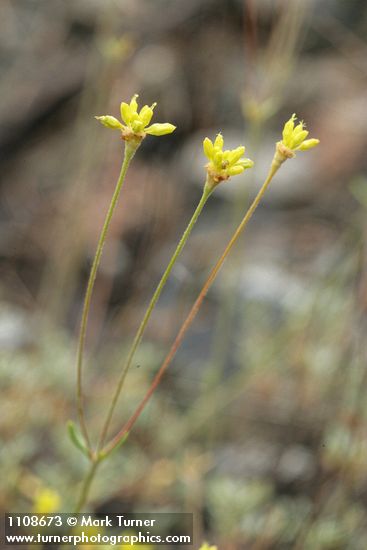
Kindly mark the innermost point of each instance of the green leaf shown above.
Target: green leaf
(76, 438)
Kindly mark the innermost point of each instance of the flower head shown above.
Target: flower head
(136, 122)
(294, 139)
(223, 164)
(206, 546)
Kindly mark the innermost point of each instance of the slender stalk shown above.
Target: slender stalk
(130, 149)
(96, 458)
(140, 332)
(86, 486)
(223, 332)
(195, 308)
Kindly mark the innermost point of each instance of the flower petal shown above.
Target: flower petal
(160, 129)
(288, 129)
(125, 112)
(146, 114)
(298, 138)
(134, 103)
(208, 148)
(218, 157)
(137, 126)
(235, 155)
(219, 141)
(299, 128)
(110, 122)
(235, 170)
(246, 163)
(308, 144)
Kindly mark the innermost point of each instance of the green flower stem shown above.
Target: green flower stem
(140, 332)
(130, 150)
(195, 308)
(97, 457)
(84, 493)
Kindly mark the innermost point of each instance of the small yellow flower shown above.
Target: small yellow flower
(46, 501)
(294, 139)
(223, 164)
(206, 546)
(136, 123)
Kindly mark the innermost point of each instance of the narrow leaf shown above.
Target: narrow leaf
(76, 439)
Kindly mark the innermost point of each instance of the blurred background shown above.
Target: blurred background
(259, 427)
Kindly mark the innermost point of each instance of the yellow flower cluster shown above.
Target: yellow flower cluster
(224, 164)
(136, 123)
(294, 139)
(206, 546)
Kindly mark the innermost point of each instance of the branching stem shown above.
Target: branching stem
(194, 310)
(140, 332)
